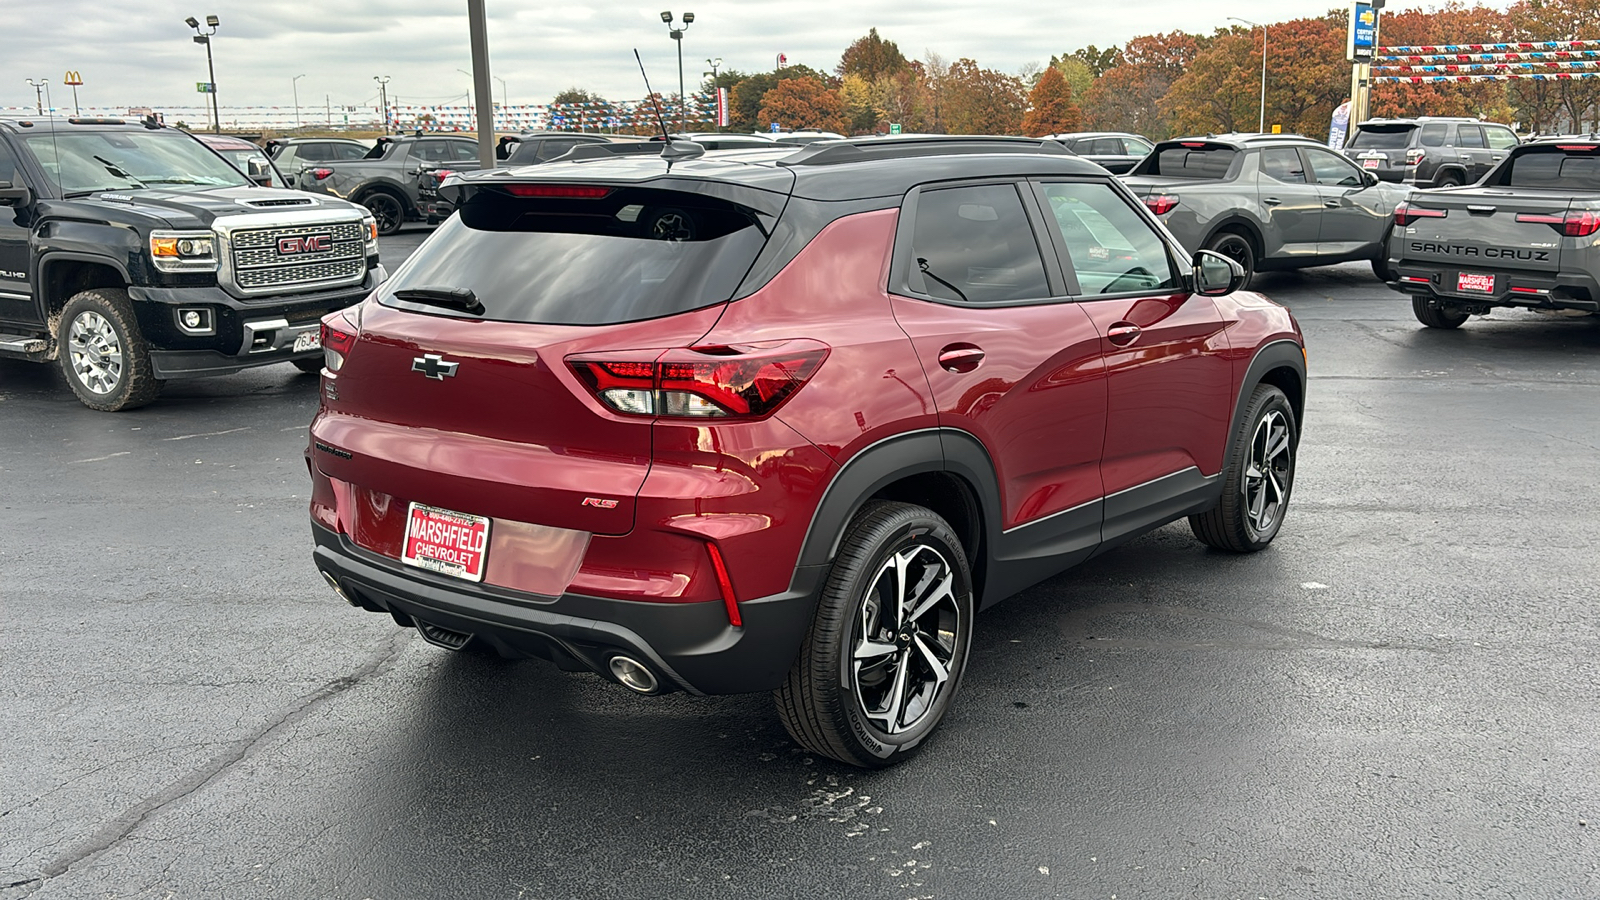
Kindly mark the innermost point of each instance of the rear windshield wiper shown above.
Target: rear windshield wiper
(454, 298)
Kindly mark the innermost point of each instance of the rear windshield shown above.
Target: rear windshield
(1194, 162)
(1553, 170)
(1386, 138)
(634, 254)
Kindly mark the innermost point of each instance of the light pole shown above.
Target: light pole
(677, 37)
(383, 95)
(471, 112)
(294, 85)
(38, 93)
(1261, 126)
(716, 92)
(204, 37)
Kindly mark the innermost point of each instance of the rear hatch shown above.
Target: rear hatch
(457, 390)
(1541, 204)
(1380, 147)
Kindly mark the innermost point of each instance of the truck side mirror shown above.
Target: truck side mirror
(1216, 275)
(17, 196)
(259, 171)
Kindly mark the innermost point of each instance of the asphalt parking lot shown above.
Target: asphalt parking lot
(1398, 698)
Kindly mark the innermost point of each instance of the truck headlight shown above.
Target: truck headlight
(369, 227)
(183, 251)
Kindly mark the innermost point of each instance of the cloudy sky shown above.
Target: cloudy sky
(139, 52)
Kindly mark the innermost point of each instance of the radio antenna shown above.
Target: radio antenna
(682, 149)
(652, 95)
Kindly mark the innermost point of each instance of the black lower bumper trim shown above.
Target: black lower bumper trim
(690, 645)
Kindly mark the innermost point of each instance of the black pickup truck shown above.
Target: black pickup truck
(133, 254)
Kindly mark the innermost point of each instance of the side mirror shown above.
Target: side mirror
(1216, 275)
(259, 171)
(1370, 178)
(17, 196)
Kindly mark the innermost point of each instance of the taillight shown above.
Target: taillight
(745, 382)
(442, 174)
(564, 191)
(1405, 213)
(1161, 204)
(1580, 223)
(320, 174)
(338, 336)
(1415, 156)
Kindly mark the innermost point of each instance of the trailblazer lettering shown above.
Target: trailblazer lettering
(1483, 253)
(310, 243)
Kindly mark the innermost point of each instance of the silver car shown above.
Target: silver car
(1268, 201)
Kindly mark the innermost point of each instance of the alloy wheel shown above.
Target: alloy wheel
(1267, 473)
(904, 640)
(96, 352)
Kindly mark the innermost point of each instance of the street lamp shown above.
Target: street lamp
(38, 95)
(715, 64)
(503, 105)
(294, 84)
(677, 36)
(383, 94)
(204, 37)
(471, 113)
(1261, 126)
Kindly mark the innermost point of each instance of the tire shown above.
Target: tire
(825, 701)
(388, 209)
(311, 365)
(1380, 264)
(1435, 314)
(1260, 479)
(1237, 247)
(1448, 179)
(103, 354)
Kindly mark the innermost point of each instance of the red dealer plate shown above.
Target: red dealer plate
(1370, 163)
(1471, 281)
(447, 542)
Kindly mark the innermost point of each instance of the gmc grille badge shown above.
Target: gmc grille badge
(432, 365)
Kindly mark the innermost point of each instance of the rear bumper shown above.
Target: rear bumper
(1538, 290)
(689, 645)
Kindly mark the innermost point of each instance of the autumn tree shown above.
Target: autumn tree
(1050, 106)
(1454, 24)
(981, 101)
(856, 96)
(804, 103)
(1078, 74)
(1127, 97)
(871, 57)
(1099, 61)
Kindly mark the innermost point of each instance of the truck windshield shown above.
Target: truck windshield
(83, 162)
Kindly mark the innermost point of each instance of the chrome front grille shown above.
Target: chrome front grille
(261, 260)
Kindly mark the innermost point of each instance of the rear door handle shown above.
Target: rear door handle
(1271, 201)
(960, 358)
(1122, 334)
(1331, 204)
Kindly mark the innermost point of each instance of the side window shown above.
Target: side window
(1137, 147)
(1469, 136)
(8, 166)
(462, 151)
(1105, 147)
(347, 151)
(1113, 250)
(1283, 164)
(1500, 138)
(974, 245)
(1332, 169)
(434, 151)
(1433, 134)
(553, 148)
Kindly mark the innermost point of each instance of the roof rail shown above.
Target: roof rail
(828, 153)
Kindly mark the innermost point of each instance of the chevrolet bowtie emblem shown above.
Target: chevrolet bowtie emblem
(432, 365)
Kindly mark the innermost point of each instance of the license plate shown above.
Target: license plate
(445, 541)
(1371, 163)
(307, 340)
(1470, 281)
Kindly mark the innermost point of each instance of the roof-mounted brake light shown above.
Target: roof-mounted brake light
(566, 191)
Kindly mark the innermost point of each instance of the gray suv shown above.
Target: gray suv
(1430, 151)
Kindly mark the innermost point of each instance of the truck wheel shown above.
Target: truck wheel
(1380, 263)
(1255, 494)
(1435, 314)
(105, 357)
(885, 653)
(1238, 248)
(311, 365)
(1448, 179)
(387, 209)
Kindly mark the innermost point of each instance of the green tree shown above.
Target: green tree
(1099, 61)
(860, 108)
(1079, 76)
(871, 57)
(1050, 106)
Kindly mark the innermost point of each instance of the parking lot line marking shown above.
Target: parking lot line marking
(102, 458)
(185, 437)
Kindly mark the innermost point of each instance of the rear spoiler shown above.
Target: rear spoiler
(608, 150)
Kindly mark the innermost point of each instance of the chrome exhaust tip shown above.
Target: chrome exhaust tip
(634, 675)
(334, 583)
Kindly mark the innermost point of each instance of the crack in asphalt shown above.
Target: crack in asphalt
(125, 824)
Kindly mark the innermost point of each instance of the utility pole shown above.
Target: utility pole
(478, 28)
(1261, 126)
(383, 94)
(328, 108)
(294, 84)
(38, 93)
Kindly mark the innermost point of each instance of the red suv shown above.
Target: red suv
(787, 419)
